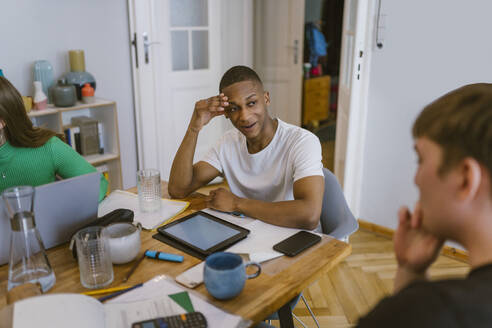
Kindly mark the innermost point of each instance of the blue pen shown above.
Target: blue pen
(107, 297)
(164, 256)
(241, 215)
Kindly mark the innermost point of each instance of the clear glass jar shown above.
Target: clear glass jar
(28, 262)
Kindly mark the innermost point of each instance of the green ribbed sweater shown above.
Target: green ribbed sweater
(37, 166)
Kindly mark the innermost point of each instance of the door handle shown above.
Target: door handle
(146, 44)
(134, 44)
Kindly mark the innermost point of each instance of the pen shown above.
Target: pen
(164, 256)
(235, 213)
(105, 291)
(107, 297)
(239, 214)
(135, 265)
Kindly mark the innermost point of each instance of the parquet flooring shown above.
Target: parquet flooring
(352, 288)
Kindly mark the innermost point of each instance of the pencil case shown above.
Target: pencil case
(120, 215)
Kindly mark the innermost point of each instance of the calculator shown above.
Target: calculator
(188, 320)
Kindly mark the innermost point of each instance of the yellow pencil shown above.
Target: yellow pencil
(105, 291)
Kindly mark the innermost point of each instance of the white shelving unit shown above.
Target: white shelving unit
(104, 111)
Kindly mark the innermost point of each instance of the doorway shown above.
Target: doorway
(340, 76)
(322, 50)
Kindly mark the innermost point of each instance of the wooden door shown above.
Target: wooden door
(279, 29)
(179, 63)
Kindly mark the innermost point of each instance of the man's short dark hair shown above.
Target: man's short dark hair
(461, 123)
(238, 74)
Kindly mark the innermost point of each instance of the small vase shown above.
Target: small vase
(43, 71)
(77, 75)
(88, 94)
(40, 99)
(64, 95)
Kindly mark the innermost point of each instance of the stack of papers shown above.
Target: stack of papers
(154, 289)
(151, 220)
(159, 297)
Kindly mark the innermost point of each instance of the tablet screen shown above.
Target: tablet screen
(201, 232)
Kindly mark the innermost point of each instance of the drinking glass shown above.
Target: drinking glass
(149, 190)
(96, 269)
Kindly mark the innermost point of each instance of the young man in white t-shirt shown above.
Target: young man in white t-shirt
(273, 169)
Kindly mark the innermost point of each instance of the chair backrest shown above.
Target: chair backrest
(336, 218)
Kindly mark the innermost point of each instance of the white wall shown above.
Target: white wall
(430, 48)
(33, 29)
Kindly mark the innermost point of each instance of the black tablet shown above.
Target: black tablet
(203, 233)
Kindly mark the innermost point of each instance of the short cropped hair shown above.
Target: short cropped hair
(461, 123)
(238, 74)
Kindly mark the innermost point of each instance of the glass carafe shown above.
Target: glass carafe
(28, 262)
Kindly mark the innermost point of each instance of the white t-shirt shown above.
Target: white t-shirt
(269, 175)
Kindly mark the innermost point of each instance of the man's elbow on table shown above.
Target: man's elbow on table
(175, 191)
(310, 218)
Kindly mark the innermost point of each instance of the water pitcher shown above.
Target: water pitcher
(28, 262)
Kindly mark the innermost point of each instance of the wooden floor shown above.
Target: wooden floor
(358, 283)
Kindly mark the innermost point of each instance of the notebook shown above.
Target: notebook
(158, 297)
(150, 221)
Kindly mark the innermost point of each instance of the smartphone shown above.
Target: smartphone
(297, 243)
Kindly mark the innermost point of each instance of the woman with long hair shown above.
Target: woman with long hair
(30, 155)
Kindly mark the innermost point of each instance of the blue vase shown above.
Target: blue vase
(43, 71)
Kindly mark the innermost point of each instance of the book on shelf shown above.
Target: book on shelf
(100, 127)
(72, 136)
(68, 140)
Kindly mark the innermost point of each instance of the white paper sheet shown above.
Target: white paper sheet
(155, 287)
(259, 243)
(58, 311)
(240, 221)
(123, 315)
(123, 199)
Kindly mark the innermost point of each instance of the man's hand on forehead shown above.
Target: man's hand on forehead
(206, 109)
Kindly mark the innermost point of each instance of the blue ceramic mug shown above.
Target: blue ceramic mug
(225, 274)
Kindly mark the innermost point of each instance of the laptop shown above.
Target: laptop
(60, 209)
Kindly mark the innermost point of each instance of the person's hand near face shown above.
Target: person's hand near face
(206, 109)
(415, 248)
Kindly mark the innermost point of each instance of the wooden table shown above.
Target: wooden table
(280, 281)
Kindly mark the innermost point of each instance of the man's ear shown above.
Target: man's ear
(471, 177)
(266, 94)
